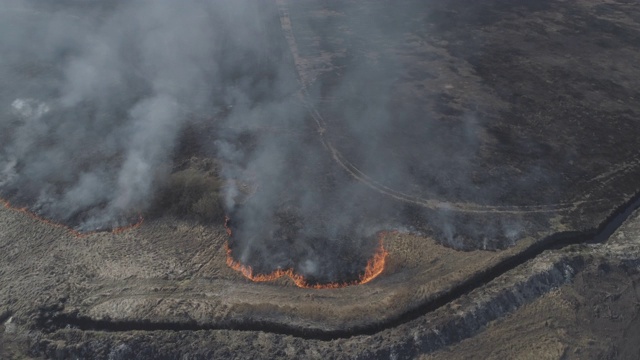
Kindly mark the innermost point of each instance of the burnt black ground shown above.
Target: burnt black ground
(541, 126)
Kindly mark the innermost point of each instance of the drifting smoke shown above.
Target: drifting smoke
(97, 93)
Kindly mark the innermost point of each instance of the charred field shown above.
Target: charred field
(388, 179)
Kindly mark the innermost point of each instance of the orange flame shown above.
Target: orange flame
(374, 267)
(226, 225)
(74, 232)
(122, 229)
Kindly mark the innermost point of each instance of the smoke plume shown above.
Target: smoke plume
(95, 95)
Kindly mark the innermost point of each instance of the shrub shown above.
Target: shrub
(191, 193)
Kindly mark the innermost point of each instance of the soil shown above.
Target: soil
(549, 89)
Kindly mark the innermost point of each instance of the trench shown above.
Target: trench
(53, 319)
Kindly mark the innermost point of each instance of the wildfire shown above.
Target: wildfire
(74, 232)
(374, 267)
(122, 229)
(226, 225)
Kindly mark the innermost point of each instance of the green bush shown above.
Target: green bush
(191, 193)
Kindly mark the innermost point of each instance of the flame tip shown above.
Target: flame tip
(375, 266)
(72, 231)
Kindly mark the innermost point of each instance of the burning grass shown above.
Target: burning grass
(375, 266)
(74, 232)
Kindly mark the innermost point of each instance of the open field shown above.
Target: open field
(496, 140)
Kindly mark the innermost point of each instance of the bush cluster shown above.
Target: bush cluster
(191, 193)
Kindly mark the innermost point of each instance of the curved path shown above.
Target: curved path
(435, 204)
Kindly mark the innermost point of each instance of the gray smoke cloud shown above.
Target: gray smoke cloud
(97, 93)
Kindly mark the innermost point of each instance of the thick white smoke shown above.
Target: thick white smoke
(96, 95)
